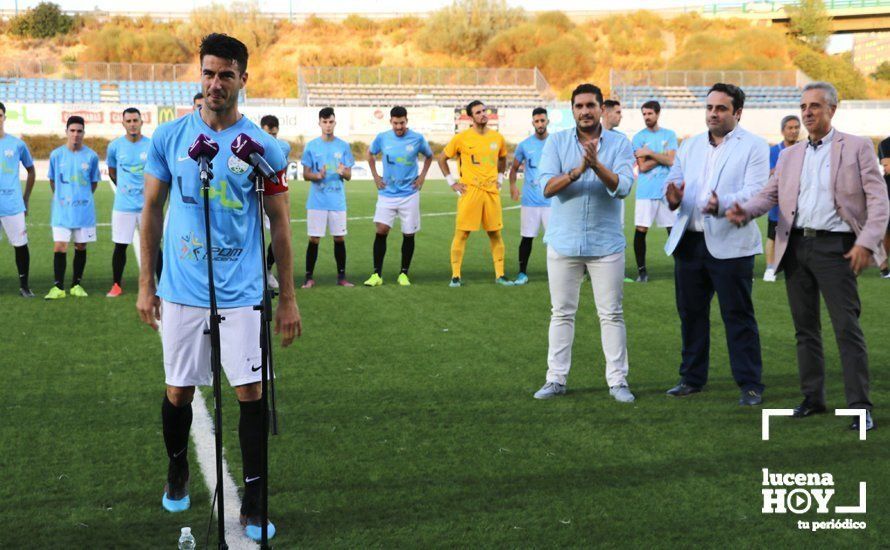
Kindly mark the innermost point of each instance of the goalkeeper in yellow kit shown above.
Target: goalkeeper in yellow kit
(482, 159)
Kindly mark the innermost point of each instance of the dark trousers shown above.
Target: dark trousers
(697, 275)
(815, 265)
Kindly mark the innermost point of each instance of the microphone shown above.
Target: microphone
(251, 151)
(202, 151)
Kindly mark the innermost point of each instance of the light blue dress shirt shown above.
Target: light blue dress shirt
(585, 217)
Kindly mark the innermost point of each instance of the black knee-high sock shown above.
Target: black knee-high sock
(159, 266)
(525, 252)
(340, 257)
(118, 262)
(379, 252)
(23, 263)
(177, 421)
(60, 262)
(407, 252)
(80, 262)
(311, 257)
(640, 249)
(250, 434)
(270, 258)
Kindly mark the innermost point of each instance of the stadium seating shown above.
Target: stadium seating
(780, 97)
(42, 90)
(373, 95)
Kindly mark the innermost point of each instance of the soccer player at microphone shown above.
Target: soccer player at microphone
(181, 299)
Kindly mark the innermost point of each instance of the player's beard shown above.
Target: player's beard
(228, 103)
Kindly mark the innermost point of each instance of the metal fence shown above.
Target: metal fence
(100, 71)
(624, 79)
(398, 76)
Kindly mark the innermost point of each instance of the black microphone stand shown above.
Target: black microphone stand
(215, 357)
(268, 372)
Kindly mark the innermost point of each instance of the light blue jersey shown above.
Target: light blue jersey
(650, 185)
(12, 152)
(285, 147)
(327, 194)
(399, 161)
(529, 152)
(128, 159)
(233, 214)
(74, 173)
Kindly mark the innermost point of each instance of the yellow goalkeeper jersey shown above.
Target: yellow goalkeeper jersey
(478, 156)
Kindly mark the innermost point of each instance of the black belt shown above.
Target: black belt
(808, 232)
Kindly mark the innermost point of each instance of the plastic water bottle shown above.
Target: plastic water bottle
(186, 540)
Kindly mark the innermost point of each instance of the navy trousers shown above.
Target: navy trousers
(697, 276)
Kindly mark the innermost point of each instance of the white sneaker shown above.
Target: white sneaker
(769, 275)
(273, 282)
(550, 389)
(622, 394)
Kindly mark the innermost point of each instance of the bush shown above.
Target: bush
(882, 72)
(837, 69)
(114, 43)
(359, 24)
(44, 21)
(464, 27)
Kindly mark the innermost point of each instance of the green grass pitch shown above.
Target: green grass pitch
(407, 417)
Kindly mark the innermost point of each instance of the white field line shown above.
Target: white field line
(205, 450)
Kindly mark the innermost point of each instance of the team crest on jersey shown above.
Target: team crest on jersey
(8, 153)
(237, 166)
(492, 146)
(338, 156)
(409, 148)
(84, 166)
(143, 156)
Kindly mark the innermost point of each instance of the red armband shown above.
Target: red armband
(276, 186)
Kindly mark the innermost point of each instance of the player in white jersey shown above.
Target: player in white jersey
(13, 202)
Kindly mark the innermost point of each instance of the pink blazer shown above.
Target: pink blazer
(860, 193)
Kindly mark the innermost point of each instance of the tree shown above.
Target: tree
(810, 23)
(44, 21)
(882, 72)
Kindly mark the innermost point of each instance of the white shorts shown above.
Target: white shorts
(80, 234)
(647, 211)
(124, 225)
(406, 208)
(332, 220)
(15, 229)
(532, 218)
(187, 348)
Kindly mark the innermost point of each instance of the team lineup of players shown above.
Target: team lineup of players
(327, 163)
(591, 162)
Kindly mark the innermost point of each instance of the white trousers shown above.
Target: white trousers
(565, 274)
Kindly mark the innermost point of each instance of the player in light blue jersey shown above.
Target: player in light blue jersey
(73, 176)
(327, 164)
(181, 300)
(126, 159)
(269, 124)
(535, 209)
(654, 149)
(612, 115)
(398, 189)
(13, 202)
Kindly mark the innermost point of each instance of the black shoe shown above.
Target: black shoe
(869, 423)
(643, 277)
(808, 408)
(682, 390)
(26, 293)
(751, 398)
